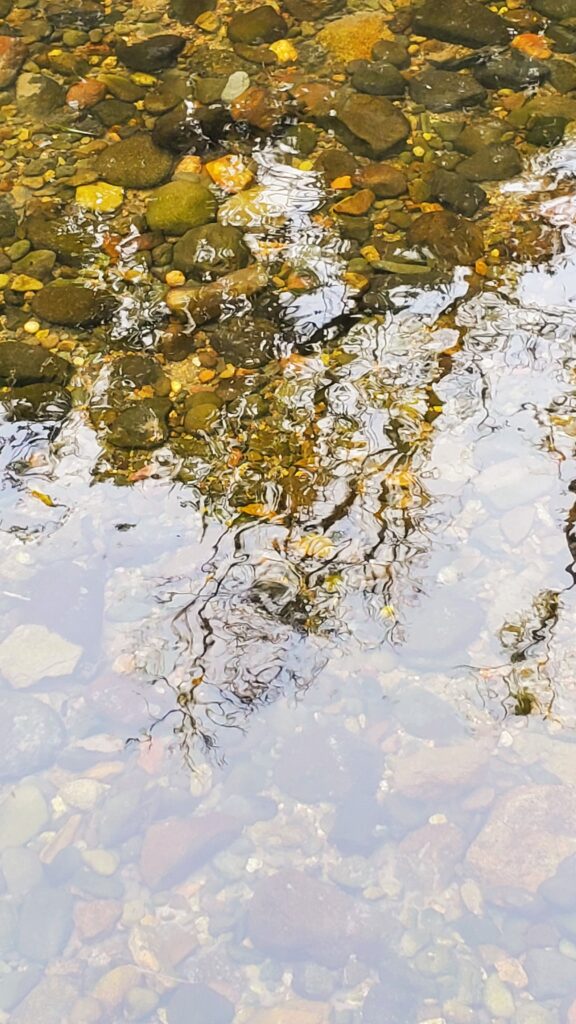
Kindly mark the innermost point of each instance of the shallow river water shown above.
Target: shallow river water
(288, 514)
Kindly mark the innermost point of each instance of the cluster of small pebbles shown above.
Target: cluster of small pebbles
(146, 271)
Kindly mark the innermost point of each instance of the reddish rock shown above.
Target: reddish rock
(385, 180)
(429, 855)
(86, 93)
(429, 772)
(12, 54)
(259, 108)
(530, 831)
(96, 917)
(294, 915)
(173, 849)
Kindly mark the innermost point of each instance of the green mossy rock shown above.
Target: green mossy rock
(213, 249)
(135, 162)
(21, 363)
(72, 244)
(72, 305)
(379, 80)
(179, 206)
(141, 425)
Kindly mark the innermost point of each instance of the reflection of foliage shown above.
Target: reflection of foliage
(522, 685)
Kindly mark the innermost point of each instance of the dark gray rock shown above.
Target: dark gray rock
(462, 21)
(152, 54)
(511, 70)
(180, 131)
(31, 735)
(198, 1004)
(496, 162)
(379, 80)
(45, 923)
(83, 14)
(446, 90)
(456, 192)
(295, 916)
(550, 974)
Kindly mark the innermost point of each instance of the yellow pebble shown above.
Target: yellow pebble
(495, 254)
(141, 78)
(419, 151)
(175, 386)
(174, 278)
(284, 51)
(78, 361)
(427, 136)
(110, 62)
(4, 279)
(100, 197)
(305, 165)
(413, 49)
(24, 283)
(31, 327)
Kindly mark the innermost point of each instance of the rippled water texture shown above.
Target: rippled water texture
(288, 539)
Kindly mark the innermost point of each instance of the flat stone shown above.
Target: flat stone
(173, 849)
(461, 21)
(72, 305)
(446, 90)
(198, 1004)
(260, 25)
(373, 119)
(50, 1002)
(45, 923)
(295, 916)
(497, 162)
(353, 36)
(23, 814)
(152, 54)
(530, 831)
(429, 772)
(32, 653)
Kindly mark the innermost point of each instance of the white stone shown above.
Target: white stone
(32, 653)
